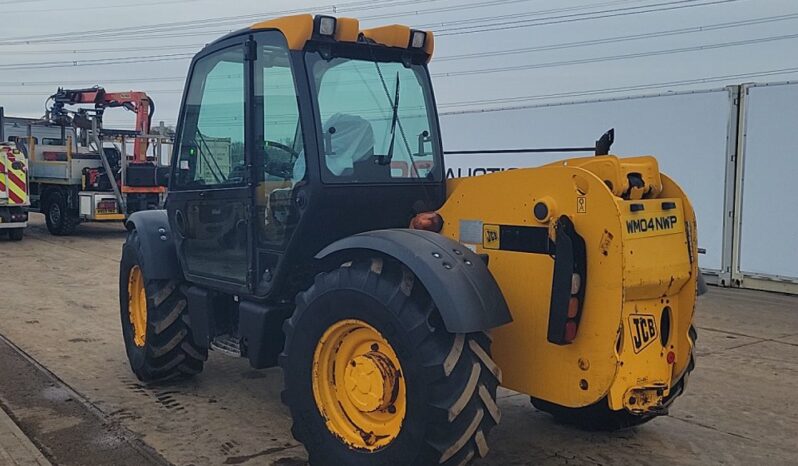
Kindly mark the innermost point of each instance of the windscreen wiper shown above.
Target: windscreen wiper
(386, 159)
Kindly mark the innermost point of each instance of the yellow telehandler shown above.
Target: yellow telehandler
(309, 224)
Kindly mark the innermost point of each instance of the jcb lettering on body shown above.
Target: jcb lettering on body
(643, 329)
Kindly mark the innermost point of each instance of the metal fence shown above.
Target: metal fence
(732, 149)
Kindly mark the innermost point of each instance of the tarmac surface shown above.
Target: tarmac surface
(65, 382)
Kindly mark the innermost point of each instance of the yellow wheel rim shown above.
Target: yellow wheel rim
(137, 305)
(358, 385)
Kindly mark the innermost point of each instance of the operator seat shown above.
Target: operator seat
(351, 141)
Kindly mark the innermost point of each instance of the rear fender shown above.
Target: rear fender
(464, 291)
(159, 255)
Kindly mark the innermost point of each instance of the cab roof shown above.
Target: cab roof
(298, 30)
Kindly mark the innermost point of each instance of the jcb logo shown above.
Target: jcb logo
(643, 329)
(490, 237)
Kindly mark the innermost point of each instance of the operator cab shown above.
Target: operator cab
(295, 119)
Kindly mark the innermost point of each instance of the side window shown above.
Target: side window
(283, 154)
(211, 144)
(284, 149)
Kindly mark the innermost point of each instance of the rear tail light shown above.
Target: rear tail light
(568, 283)
(573, 307)
(572, 324)
(570, 330)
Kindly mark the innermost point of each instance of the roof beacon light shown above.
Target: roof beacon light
(417, 39)
(325, 25)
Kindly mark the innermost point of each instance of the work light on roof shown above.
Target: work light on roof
(417, 39)
(325, 25)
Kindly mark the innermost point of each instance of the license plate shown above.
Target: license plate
(643, 329)
(653, 219)
(105, 211)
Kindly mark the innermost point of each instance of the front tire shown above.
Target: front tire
(155, 324)
(438, 399)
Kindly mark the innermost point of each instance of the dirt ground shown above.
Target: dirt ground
(59, 305)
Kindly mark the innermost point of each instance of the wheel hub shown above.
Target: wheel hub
(358, 385)
(371, 381)
(55, 213)
(137, 305)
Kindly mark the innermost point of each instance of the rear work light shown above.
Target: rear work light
(325, 25)
(568, 283)
(417, 39)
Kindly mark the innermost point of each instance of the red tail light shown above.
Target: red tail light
(573, 307)
(568, 283)
(572, 325)
(570, 330)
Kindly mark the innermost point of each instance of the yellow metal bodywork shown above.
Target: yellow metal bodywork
(358, 385)
(137, 305)
(630, 274)
(298, 30)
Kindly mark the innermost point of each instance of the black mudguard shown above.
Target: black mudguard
(159, 258)
(459, 282)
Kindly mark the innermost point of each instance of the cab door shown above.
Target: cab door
(210, 195)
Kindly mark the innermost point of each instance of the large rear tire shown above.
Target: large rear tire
(155, 323)
(60, 222)
(599, 416)
(435, 396)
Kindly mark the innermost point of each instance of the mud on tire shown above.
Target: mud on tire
(451, 379)
(169, 350)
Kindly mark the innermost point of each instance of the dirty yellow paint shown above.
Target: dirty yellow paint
(627, 273)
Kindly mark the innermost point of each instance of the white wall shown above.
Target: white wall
(769, 237)
(686, 132)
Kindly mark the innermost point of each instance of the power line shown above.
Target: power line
(626, 56)
(167, 30)
(666, 6)
(193, 24)
(626, 38)
(167, 57)
(565, 45)
(620, 89)
(116, 35)
(468, 72)
(96, 7)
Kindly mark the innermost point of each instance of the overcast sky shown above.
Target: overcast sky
(732, 46)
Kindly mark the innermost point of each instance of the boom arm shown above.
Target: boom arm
(135, 101)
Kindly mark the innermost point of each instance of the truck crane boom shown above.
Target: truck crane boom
(135, 101)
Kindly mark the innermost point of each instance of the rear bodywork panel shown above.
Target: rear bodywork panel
(639, 233)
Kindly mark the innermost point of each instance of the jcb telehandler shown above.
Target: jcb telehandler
(306, 147)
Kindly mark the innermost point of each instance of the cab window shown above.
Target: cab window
(377, 120)
(211, 143)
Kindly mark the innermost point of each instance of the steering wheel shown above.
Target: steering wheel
(281, 169)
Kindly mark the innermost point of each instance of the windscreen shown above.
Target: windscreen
(377, 120)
